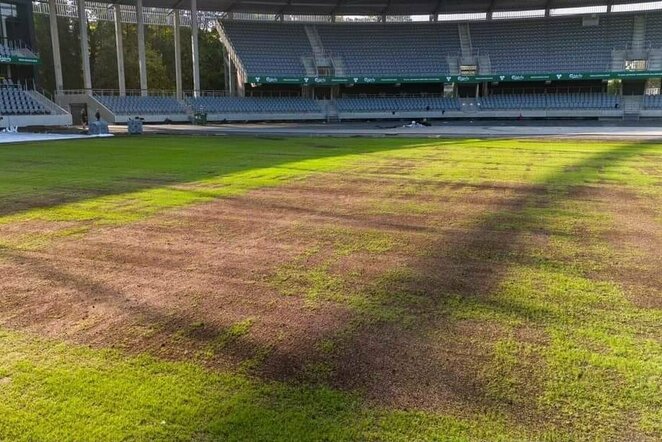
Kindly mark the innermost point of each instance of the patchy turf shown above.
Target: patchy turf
(222, 288)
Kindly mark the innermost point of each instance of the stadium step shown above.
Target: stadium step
(639, 34)
(309, 66)
(465, 40)
(315, 43)
(331, 112)
(631, 107)
(453, 65)
(52, 107)
(484, 65)
(618, 60)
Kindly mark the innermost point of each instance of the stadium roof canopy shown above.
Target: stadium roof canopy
(372, 7)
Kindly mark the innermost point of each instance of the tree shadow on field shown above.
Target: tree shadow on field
(433, 360)
(83, 284)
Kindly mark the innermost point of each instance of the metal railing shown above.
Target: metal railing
(547, 91)
(400, 95)
(116, 92)
(104, 12)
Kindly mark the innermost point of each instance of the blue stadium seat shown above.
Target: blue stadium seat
(15, 101)
(397, 104)
(549, 101)
(254, 105)
(137, 105)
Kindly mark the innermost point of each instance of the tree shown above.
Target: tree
(159, 53)
(69, 51)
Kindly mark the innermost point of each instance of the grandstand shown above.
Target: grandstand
(285, 61)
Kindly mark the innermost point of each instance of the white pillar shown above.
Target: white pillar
(119, 47)
(84, 46)
(195, 55)
(178, 55)
(142, 62)
(228, 74)
(55, 42)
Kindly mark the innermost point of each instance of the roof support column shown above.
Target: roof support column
(119, 48)
(142, 62)
(178, 55)
(55, 43)
(229, 86)
(84, 47)
(195, 54)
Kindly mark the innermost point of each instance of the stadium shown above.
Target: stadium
(330, 220)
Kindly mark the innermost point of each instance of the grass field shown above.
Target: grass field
(183, 288)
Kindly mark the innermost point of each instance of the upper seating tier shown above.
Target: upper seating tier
(549, 45)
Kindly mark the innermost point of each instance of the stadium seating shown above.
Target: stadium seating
(4, 51)
(395, 49)
(652, 102)
(16, 101)
(397, 104)
(137, 106)
(551, 45)
(254, 105)
(269, 48)
(549, 101)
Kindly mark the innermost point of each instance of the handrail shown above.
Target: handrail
(403, 95)
(116, 92)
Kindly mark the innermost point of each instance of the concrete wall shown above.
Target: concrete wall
(35, 120)
(265, 117)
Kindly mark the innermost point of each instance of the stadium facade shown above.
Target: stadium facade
(343, 59)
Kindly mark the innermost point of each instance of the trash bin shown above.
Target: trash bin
(99, 127)
(135, 126)
(200, 119)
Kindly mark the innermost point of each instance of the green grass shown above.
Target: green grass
(60, 392)
(573, 350)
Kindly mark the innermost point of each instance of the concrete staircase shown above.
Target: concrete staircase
(484, 65)
(315, 43)
(52, 107)
(338, 66)
(320, 57)
(618, 60)
(465, 40)
(639, 34)
(331, 110)
(631, 107)
(469, 105)
(453, 65)
(309, 66)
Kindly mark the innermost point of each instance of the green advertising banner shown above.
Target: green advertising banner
(326, 81)
(14, 59)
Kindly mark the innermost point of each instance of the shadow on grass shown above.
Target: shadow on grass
(382, 359)
(432, 361)
(45, 175)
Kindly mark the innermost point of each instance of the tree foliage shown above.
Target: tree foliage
(159, 51)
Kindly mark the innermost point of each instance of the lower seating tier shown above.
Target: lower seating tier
(272, 105)
(16, 101)
(138, 106)
(550, 101)
(397, 104)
